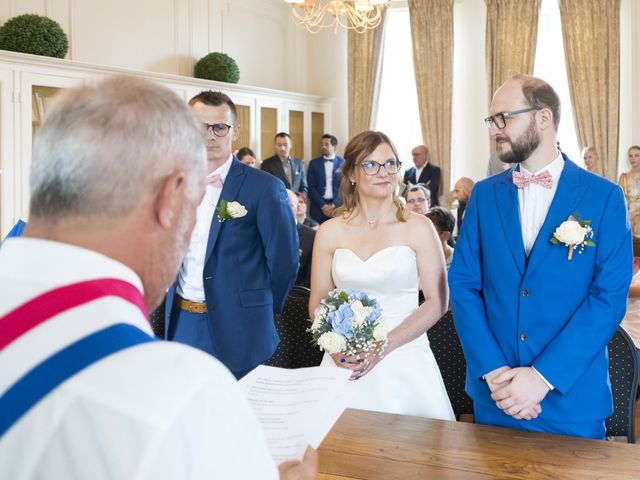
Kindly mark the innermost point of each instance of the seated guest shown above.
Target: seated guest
(461, 193)
(418, 199)
(591, 159)
(301, 214)
(323, 178)
(105, 230)
(444, 222)
(306, 236)
(246, 156)
(285, 167)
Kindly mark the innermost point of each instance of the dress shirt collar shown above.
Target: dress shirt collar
(223, 169)
(328, 157)
(554, 168)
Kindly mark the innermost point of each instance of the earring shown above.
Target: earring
(352, 183)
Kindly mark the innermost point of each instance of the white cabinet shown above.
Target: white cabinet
(28, 83)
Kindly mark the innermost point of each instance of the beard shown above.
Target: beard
(522, 147)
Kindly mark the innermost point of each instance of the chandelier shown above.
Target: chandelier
(358, 15)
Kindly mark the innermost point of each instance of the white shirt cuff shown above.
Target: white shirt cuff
(543, 379)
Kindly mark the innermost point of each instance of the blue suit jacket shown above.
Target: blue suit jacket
(543, 310)
(317, 182)
(250, 265)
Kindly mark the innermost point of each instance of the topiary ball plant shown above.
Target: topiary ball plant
(34, 34)
(217, 66)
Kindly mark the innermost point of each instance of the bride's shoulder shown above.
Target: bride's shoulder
(417, 221)
(331, 228)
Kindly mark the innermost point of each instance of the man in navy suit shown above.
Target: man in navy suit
(536, 291)
(243, 254)
(424, 172)
(324, 179)
(285, 167)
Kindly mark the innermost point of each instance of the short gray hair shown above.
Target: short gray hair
(102, 147)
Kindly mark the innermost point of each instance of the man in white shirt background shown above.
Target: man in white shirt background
(85, 391)
(323, 178)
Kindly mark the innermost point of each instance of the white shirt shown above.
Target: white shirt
(328, 173)
(190, 284)
(418, 173)
(155, 411)
(631, 322)
(534, 201)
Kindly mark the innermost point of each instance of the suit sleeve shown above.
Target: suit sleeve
(277, 229)
(303, 179)
(593, 324)
(481, 350)
(314, 188)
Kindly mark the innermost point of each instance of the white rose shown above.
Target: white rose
(380, 332)
(332, 342)
(236, 210)
(360, 313)
(570, 233)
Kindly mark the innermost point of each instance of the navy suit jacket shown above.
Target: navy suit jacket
(430, 176)
(543, 310)
(317, 181)
(273, 165)
(250, 265)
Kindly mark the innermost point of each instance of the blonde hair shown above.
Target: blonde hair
(356, 151)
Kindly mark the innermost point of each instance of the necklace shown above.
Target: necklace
(372, 221)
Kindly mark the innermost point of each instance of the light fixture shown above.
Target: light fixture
(358, 15)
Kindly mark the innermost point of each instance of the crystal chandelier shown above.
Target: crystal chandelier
(358, 15)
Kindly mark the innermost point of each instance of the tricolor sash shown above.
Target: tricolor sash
(45, 377)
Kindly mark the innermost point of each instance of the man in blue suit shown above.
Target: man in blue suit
(323, 178)
(242, 257)
(534, 315)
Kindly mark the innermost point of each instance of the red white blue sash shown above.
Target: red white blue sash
(46, 376)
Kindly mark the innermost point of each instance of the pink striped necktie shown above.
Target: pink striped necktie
(215, 180)
(543, 179)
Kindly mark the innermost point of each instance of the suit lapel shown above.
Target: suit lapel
(506, 195)
(229, 192)
(563, 205)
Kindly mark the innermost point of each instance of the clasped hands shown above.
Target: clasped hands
(517, 391)
(360, 363)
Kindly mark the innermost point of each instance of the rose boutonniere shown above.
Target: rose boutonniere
(574, 234)
(230, 210)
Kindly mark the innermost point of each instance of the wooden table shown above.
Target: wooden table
(371, 445)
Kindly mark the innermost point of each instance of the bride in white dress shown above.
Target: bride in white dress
(376, 245)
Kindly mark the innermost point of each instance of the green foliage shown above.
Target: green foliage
(217, 66)
(34, 34)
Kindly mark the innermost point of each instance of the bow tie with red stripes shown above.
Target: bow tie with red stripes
(543, 179)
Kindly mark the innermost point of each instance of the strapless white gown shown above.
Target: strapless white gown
(407, 381)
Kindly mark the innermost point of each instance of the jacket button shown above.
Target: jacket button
(525, 293)
(523, 336)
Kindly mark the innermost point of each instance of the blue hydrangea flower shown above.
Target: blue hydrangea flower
(341, 320)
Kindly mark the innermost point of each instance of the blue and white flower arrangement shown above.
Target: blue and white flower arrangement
(349, 321)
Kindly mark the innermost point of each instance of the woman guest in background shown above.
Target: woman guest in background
(630, 183)
(375, 245)
(418, 199)
(301, 213)
(246, 156)
(591, 159)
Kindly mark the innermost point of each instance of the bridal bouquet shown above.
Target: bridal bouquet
(349, 321)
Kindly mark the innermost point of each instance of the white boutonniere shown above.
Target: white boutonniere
(230, 210)
(574, 234)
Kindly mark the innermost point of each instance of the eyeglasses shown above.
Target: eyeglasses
(411, 201)
(500, 119)
(371, 167)
(219, 129)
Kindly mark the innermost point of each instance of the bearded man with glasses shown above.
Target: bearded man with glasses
(243, 254)
(540, 276)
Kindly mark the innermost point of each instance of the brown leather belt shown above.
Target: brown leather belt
(189, 306)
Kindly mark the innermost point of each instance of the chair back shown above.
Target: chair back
(295, 349)
(447, 350)
(623, 373)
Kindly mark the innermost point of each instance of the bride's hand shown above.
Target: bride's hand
(360, 363)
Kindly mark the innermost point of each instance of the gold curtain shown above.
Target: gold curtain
(365, 54)
(511, 34)
(432, 38)
(591, 33)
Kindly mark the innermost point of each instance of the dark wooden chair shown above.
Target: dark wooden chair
(447, 350)
(623, 372)
(295, 349)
